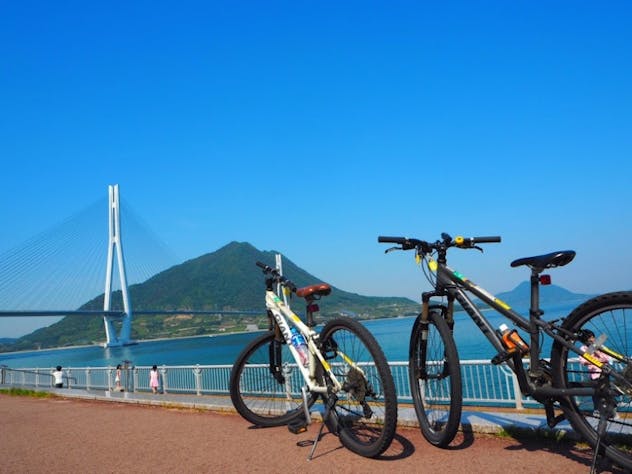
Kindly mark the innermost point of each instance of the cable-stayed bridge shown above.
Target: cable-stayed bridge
(63, 268)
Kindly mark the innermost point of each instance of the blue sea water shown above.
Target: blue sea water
(392, 334)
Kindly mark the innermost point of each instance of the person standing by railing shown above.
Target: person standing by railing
(117, 378)
(58, 377)
(154, 379)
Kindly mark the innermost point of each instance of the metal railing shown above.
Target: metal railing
(483, 383)
(30, 377)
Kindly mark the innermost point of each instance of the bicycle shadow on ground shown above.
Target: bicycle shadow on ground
(571, 449)
(463, 439)
(400, 448)
(534, 435)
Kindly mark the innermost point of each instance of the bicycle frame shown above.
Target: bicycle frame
(281, 314)
(454, 285)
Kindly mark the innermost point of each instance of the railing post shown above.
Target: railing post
(198, 379)
(135, 378)
(68, 374)
(517, 392)
(163, 376)
(88, 372)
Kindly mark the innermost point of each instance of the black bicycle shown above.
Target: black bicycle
(587, 381)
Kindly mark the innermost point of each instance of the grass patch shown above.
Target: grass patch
(517, 432)
(22, 392)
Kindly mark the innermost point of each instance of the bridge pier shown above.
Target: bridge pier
(115, 246)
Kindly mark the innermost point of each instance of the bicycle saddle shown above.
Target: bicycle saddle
(550, 260)
(319, 289)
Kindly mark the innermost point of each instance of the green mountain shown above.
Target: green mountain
(225, 280)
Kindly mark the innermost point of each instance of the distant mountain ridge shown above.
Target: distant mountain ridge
(550, 295)
(224, 280)
(228, 280)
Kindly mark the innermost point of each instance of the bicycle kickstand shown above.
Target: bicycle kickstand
(606, 409)
(601, 428)
(331, 401)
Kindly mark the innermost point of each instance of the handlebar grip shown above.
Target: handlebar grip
(391, 240)
(490, 239)
(261, 265)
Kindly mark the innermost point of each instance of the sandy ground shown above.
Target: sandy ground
(56, 435)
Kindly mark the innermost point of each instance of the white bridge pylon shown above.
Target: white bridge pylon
(115, 246)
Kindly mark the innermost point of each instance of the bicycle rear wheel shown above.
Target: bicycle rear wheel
(265, 383)
(435, 379)
(364, 414)
(608, 315)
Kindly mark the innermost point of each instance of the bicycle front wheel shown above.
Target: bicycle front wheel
(435, 379)
(265, 383)
(607, 316)
(364, 414)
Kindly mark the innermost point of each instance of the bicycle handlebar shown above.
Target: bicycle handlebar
(265, 267)
(462, 241)
(445, 242)
(276, 277)
(392, 240)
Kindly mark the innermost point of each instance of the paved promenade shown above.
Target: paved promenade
(80, 431)
(476, 421)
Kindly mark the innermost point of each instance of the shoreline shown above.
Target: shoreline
(158, 339)
(136, 342)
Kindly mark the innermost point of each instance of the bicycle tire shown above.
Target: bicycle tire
(611, 315)
(364, 415)
(434, 372)
(259, 396)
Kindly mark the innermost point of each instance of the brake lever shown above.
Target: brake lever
(477, 248)
(393, 248)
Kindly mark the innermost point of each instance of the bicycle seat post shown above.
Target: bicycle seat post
(534, 309)
(534, 313)
(310, 308)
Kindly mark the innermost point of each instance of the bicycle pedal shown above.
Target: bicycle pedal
(297, 426)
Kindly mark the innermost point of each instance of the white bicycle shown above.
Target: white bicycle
(281, 374)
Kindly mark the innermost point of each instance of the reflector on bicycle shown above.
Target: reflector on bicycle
(545, 279)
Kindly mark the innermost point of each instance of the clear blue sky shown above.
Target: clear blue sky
(312, 127)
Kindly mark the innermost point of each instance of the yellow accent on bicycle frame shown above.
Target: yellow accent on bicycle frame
(592, 360)
(350, 362)
(502, 304)
(611, 353)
